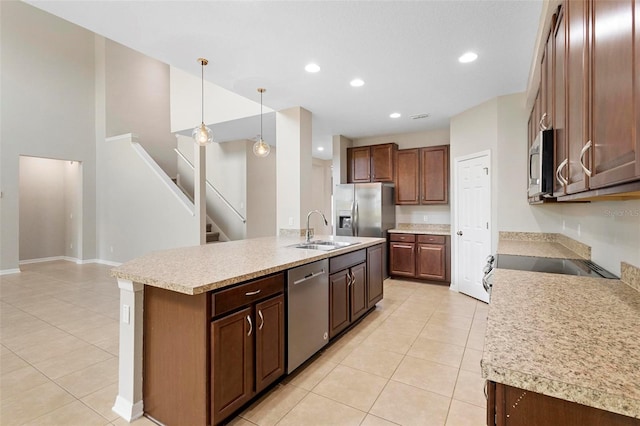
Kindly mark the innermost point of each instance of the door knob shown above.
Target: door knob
(459, 233)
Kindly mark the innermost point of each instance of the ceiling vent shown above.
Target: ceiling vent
(418, 116)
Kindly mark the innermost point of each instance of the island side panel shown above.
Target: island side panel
(176, 357)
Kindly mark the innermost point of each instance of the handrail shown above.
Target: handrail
(213, 188)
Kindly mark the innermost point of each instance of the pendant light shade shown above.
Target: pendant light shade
(202, 134)
(260, 147)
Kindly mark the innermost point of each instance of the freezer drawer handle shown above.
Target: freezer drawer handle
(252, 293)
(310, 276)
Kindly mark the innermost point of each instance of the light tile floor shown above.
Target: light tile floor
(415, 360)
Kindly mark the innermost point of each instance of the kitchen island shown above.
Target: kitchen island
(559, 345)
(202, 329)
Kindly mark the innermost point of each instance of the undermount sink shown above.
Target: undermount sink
(326, 245)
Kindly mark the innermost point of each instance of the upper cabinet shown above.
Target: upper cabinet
(422, 175)
(371, 163)
(594, 88)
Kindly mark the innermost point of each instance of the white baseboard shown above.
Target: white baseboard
(67, 258)
(43, 259)
(102, 262)
(9, 271)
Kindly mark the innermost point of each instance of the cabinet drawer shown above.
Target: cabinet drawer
(405, 238)
(345, 261)
(244, 294)
(432, 239)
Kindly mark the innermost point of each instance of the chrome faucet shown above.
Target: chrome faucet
(308, 233)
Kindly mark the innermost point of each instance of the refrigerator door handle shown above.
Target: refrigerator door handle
(353, 218)
(356, 218)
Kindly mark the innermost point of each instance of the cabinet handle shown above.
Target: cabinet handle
(486, 395)
(541, 123)
(261, 319)
(582, 152)
(250, 325)
(252, 293)
(561, 180)
(348, 279)
(402, 246)
(353, 278)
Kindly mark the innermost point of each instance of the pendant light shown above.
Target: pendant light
(202, 134)
(261, 148)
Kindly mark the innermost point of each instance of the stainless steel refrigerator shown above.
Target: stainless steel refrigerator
(364, 210)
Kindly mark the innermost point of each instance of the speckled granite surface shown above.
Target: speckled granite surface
(194, 270)
(630, 275)
(569, 337)
(542, 244)
(421, 228)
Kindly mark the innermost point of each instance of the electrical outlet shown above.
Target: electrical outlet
(71, 245)
(111, 249)
(425, 218)
(579, 231)
(290, 221)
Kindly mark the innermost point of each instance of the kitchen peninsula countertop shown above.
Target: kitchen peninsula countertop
(421, 229)
(568, 337)
(198, 269)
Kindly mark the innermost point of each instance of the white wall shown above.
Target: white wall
(321, 191)
(261, 193)
(137, 101)
(47, 110)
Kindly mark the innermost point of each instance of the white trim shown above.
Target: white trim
(100, 261)
(10, 271)
(68, 259)
(44, 259)
(130, 137)
(126, 410)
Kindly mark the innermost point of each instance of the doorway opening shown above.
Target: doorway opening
(50, 209)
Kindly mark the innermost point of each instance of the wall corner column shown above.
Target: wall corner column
(129, 403)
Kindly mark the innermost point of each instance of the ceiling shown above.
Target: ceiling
(405, 51)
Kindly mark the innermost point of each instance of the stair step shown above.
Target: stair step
(212, 237)
(209, 227)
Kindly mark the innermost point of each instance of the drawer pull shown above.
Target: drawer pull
(252, 293)
(250, 325)
(261, 320)
(402, 246)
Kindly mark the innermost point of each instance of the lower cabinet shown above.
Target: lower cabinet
(507, 405)
(375, 275)
(426, 257)
(247, 353)
(348, 292)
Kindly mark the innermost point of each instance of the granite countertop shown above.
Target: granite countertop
(568, 337)
(536, 248)
(421, 228)
(198, 269)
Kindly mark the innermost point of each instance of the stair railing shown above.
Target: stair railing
(213, 188)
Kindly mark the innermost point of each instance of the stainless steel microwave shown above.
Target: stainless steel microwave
(541, 165)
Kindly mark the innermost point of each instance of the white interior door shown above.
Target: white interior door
(473, 228)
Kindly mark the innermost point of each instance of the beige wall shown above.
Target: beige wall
(137, 101)
(321, 192)
(47, 110)
(261, 193)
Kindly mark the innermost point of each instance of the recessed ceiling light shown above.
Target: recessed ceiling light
(356, 82)
(312, 67)
(320, 148)
(468, 57)
(395, 115)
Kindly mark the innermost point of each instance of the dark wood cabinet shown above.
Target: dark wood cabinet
(358, 291)
(375, 275)
(269, 343)
(431, 257)
(615, 107)
(434, 174)
(407, 190)
(426, 257)
(510, 406)
(557, 40)
(422, 176)
(347, 297)
(232, 367)
(374, 163)
(359, 164)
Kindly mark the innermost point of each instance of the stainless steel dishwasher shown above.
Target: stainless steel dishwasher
(307, 311)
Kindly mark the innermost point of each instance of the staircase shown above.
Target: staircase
(212, 237)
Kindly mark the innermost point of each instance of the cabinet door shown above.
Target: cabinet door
(558, 37)
(614, 130)
(407, 189)
(338, 302)
(546, 83)
(431, 262)
(434, 170)
(382, 162)
(269, 341)
(359, 160)
(358, 291)
(575, 20)
(375, 275)
(232, 370)
(402, 259)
